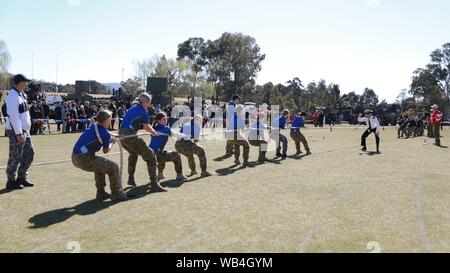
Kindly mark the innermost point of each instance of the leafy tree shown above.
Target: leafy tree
(295, 90)
(369, 98)
(193, 51)
(5, 60)
(132, 86)
(233, 63)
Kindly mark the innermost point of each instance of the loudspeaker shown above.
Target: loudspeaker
(163, 100)
(82, 87)
(157, 86)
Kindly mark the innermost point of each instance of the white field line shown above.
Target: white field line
(420, 219)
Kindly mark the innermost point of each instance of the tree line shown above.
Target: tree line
(230, 64)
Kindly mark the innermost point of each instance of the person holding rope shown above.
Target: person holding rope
(230, 113)
(188, 146)
(297, 135)
(135, 119)
(374, 127)
(235, 137)
(257, 137)
(158, 143)
(277, 126)
(90, 142)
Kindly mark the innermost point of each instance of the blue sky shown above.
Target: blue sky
(355, 43)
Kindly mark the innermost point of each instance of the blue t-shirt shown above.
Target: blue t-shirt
(89, 142)
(135, 118)
(158, 143)
(237, 123)
(282, 121)
(257, 128)
(191, 131)
(297, 124)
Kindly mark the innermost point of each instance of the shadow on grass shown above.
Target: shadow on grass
(5, 191)
(370, 153)
(222, 158)
(235, 168)
(50, 218)
(172, 184)
(442, 147)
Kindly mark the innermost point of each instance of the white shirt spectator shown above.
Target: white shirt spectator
(19, 119)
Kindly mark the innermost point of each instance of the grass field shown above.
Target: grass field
(337, 200)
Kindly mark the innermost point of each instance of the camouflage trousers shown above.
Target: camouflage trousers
(101, 167)
(263, 147)
(282, 141)
(437, 134)
(430, 129)
(20, 157)
(189, 148)
(229, 150)
(137, 147)
(164, 157)
(235, 141)
(298, 138)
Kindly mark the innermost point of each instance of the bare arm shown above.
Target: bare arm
(150, 129)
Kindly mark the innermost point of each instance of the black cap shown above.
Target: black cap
(20, 78)
(236, 97)
(303, 114)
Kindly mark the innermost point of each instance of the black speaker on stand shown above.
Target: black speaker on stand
(157, 87)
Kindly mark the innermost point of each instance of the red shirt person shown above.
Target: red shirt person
(436, 121)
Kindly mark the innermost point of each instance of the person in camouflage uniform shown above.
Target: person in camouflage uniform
(257, 136)
(136, 118)
(402, 124)
(17, 128)
(297, 135)
(188, 146)
(84, 158)
(429, 125)
(277, 126)
(235, 137)
(158, 143)
(229, 114)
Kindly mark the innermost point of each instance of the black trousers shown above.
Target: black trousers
(366, 134)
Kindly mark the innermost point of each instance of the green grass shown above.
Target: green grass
(337, 200)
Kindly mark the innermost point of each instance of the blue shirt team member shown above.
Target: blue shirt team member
(136, 119)
(278, 125)
(230, 113)
(158, 144)
(297, 136)
(84, 157)
(187, 145)
(235, 137)
(257, 136)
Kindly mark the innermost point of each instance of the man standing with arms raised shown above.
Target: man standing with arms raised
(21, 150)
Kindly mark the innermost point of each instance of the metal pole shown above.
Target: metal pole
(56, 73)
(32, 65)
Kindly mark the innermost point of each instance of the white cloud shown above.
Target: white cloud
(73, 2)
(375, 2)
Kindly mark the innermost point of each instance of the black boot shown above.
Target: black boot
(131, 181)
(25, 183)
(13, 185)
